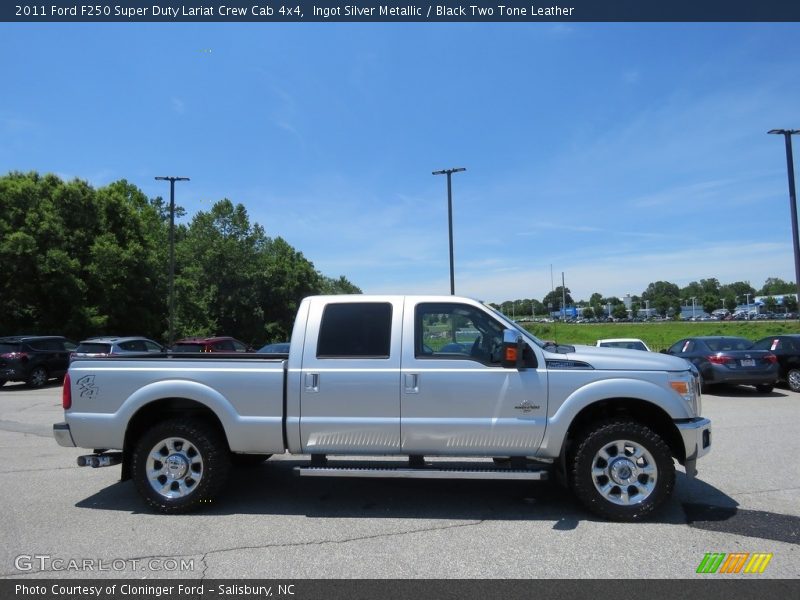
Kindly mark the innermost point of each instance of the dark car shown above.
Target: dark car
(34, 359)
(276, 348)
(787, 349)
(728, 359)
(210, 344)
(114, 346)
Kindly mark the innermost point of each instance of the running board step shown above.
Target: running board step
(424, 473)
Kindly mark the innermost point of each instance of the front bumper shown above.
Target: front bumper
(696, 435)
(63, 435)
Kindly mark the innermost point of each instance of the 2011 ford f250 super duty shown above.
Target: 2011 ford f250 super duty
(411, 376)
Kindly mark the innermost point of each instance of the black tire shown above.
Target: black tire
(37, 377)
(793, 379)
(629, 488)
(765, 388)
(248, 460)
(195, 465)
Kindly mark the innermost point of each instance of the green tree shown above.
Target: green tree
(555, 298)
(663, 296)
(774, 286)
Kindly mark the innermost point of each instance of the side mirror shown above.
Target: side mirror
(513, 350)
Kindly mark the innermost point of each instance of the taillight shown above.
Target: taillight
(66, 393)
(720, 359)
(15, 355)
(771, 358)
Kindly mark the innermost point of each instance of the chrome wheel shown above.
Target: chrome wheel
(624, 472)
(174, 468)
(37, 378)
(793, 379)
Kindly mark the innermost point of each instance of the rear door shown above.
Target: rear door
(350, 377)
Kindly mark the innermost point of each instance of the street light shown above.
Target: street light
(172, 181)
(787, 136)
(449, 173)
(694, 298)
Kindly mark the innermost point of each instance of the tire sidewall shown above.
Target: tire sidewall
(603, 434)
(213, 451)
(795, 388)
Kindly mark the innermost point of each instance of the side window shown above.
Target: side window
(355, 330)
(133, 346)
(223, 346)
(678, 347)
(239, 346)
(152, 347)
(454, 331)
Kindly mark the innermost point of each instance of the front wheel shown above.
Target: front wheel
(179, 465)
(622, 470)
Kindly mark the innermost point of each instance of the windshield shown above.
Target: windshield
(512, 325)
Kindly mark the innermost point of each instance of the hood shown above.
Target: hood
(619, 359)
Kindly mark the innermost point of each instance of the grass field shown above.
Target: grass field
(658, 336)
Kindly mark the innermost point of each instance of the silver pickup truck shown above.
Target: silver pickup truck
(417, 378)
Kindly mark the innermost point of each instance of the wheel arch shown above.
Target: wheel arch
(161, 410)
(635, 409)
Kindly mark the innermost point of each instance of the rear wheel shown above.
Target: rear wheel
(622, 470)
(793, 379)
(37, 377)
(179, 465)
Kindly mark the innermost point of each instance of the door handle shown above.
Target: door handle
(412, 383)
(312, 382)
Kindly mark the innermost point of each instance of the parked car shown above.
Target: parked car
(729, 359)
(34, 359)
(277, 348)
(211, 344)
(787, 349)
(111, 346)
(629, 343)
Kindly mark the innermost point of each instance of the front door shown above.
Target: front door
(456, 398)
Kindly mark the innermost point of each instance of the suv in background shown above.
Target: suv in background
(112, 346)
(210, 344)
(34, 359)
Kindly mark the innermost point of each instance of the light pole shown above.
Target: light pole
(787, 136)
(694, 298)
(172, 181)
(748, 306)
(449, 173)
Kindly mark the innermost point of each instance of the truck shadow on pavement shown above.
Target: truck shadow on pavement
(274, 489)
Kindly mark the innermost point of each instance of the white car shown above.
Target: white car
(629, 343)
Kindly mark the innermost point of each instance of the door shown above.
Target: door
(456, 398)
(350, 378)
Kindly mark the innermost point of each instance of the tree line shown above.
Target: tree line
(81, 261)
(663, 298)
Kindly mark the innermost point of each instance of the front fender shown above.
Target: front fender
(593, 392)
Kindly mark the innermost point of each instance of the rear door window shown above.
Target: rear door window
(355, 330)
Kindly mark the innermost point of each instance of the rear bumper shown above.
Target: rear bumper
(696, 435)
(63, 435)
(722, 374)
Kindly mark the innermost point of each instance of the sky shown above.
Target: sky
(618, 154)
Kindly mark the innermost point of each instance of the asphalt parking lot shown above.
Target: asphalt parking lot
(61, 521)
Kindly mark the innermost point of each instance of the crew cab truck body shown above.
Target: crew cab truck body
(411, 376)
